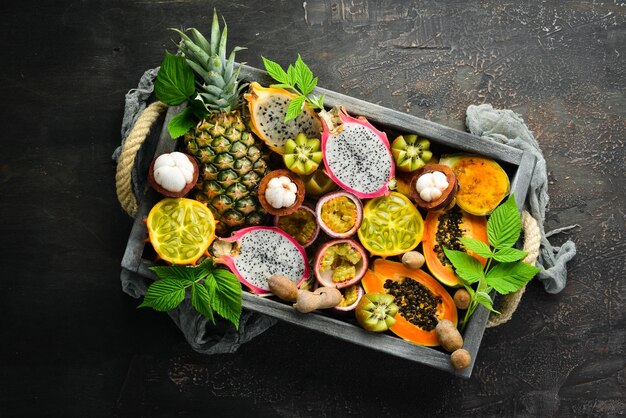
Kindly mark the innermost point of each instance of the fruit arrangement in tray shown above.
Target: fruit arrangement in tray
(317, 208)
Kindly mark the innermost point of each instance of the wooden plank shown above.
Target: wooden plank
(132, 258)
(348, 332)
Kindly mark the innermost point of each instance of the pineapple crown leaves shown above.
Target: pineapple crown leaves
(201, 74)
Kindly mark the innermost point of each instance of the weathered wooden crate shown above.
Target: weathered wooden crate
(519, 165)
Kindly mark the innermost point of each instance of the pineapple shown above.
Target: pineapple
(232, 161)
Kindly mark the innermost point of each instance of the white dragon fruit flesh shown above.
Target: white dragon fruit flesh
(268, 106)
(253, 254)
(356, 155)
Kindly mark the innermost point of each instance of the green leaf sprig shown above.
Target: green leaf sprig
(503, 272)
(211, 290)
(299, 79)
(175, 84)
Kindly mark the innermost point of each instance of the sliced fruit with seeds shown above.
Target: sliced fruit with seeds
(339, 214)
(410, 152)
(391, 225)
(444, 229)
(376, 311)
(180, 230)
(351, 296)
(422, 301)
(301, 225)
(340, 263)
(268, 106)
(302, 155)
(483, 183)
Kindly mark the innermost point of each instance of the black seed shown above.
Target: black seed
(448, 233)
(417, 303)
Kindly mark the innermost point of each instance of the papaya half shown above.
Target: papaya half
(422, 300)
(443, 229)
(483, 183)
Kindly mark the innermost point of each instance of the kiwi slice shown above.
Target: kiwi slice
(376, 311)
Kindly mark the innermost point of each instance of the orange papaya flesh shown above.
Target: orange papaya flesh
(374, 282)
(444, 228)
(483, 183)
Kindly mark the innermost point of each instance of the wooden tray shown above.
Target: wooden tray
(518, 164)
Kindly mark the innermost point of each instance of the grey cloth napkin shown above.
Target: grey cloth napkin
(507, 127)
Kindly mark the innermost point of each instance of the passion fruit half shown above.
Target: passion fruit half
(300, 224)
(351, 296)
(447, 194)
(340, 263)
(339, 214)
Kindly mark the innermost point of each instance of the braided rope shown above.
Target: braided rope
(532, 240)
(126, 162)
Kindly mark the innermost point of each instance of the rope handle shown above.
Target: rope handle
(123, 183)
(532, 240)
(126, 162)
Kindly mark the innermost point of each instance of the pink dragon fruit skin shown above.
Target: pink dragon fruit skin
(377, 166)
(263, 252)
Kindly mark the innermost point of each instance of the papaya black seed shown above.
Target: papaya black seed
(417, 303)
(449, 231)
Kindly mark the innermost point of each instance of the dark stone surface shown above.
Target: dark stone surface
(74, 345)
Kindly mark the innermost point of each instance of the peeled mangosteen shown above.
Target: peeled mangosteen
(433, 187)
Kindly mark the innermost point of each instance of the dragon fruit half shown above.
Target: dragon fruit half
(356, 155)
(253, 254)
(268, 106)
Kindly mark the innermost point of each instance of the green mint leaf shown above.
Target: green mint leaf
(304, 76)
(465, 266)
(508, 255)
(295, 107)
(504, 225)
(175, 80)
(275, 71)
(207, 264)
(312, 84)
(210, 285)
(174, 272)
(165, 294)
(200, 301)
(181, 123)
(484, 299)
(292, 77)
(317, 102)
(510, 277)
(477, 246)
(227, 301)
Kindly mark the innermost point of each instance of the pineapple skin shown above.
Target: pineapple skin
(232, 163)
